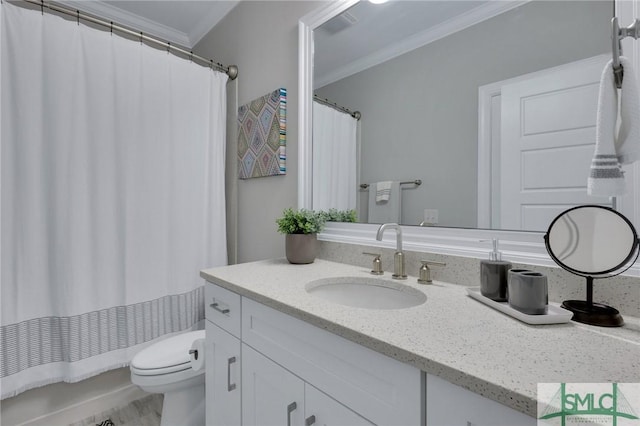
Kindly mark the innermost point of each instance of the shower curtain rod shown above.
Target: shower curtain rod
(231, 70)
(354, 114)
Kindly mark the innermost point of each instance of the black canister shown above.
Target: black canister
(493, 275)
(528, 292)
(493, 280)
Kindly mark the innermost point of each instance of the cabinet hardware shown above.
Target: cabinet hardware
(216, 305)
(230, 386)
(310, 420)
(290, 408)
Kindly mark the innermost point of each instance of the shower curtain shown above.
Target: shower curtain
(334, 159)
(112, 196)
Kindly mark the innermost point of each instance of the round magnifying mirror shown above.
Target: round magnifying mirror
(593, 242)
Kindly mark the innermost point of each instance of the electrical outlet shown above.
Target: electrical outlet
(431, 216)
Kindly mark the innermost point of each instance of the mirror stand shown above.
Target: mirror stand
(587, 312)
(593, 241)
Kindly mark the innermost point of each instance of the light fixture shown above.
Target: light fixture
(378, 1)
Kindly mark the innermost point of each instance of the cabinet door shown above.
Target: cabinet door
(322, 410)
(223, 390)
(271, 395)
(451, 405)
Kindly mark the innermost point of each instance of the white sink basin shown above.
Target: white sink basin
(368, 293)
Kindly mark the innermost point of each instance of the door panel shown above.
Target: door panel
(547, 143)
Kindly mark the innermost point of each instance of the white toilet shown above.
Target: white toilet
(165, 367)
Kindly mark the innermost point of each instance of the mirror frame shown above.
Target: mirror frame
(517, 246)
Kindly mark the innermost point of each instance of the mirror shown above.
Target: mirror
(593, 242)
(445, 108)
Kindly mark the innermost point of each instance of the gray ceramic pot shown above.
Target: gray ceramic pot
(301, 248)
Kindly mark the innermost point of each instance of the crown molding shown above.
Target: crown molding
(131, 20)
(459, 23)
(217, 11)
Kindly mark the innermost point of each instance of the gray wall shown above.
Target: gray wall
(261, 37)
(420, 110)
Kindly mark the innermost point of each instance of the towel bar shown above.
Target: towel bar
(416, 182)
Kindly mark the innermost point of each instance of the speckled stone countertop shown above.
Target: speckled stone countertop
(451, 335)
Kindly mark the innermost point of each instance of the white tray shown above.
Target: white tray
(555, 315)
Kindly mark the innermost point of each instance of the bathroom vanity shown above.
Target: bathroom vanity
(277, 353)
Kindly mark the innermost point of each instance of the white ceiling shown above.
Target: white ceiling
(181, 22)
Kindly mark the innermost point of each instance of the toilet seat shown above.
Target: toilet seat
(167, 356)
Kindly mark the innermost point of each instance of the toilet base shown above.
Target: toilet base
(185, 407)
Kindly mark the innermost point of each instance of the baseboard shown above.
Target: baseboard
(73, 413)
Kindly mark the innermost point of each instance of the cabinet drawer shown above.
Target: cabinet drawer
(222, 308)
(452, 405)
(380, 389)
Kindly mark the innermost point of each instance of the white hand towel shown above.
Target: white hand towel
(383, 191)
(385, 212)
(606, 177)
(628, 141)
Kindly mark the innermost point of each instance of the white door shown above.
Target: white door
(222, 371)
(271, 395)
(547, 144)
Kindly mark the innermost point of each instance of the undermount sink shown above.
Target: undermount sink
(368, 293)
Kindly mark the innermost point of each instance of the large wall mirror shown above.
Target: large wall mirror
(438, 85)
(491, 105)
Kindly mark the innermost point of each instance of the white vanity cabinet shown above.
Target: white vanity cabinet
(274, 396)
(265, 367)
(294, 373)
(451, 405)
(378, 388)
(223, 355)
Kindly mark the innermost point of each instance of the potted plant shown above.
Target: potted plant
(335, 215)
(301, 228)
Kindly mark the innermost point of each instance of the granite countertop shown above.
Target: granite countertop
(451, 335)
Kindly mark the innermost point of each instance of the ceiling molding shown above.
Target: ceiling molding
(131, 20)
(218, 10)
(459, 23)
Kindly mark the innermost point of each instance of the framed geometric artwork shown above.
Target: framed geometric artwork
(262, 136)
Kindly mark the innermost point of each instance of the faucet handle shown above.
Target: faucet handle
(425, 272)
(377, 263)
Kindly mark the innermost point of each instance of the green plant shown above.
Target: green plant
(302, 221)
(334, 215)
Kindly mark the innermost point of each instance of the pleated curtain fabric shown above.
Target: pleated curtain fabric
(112, 196)
(334, 159)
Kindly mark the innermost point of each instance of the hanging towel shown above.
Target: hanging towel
(628, 141)
(614, 148)
(385, 212)
(383, 191)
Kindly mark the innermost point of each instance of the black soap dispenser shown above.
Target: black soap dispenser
(493, 275)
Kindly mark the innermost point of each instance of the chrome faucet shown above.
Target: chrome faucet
(398, 257)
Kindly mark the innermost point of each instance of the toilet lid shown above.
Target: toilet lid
(167, 353)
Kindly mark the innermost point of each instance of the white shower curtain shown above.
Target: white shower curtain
(334, 159)
(112, 179)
